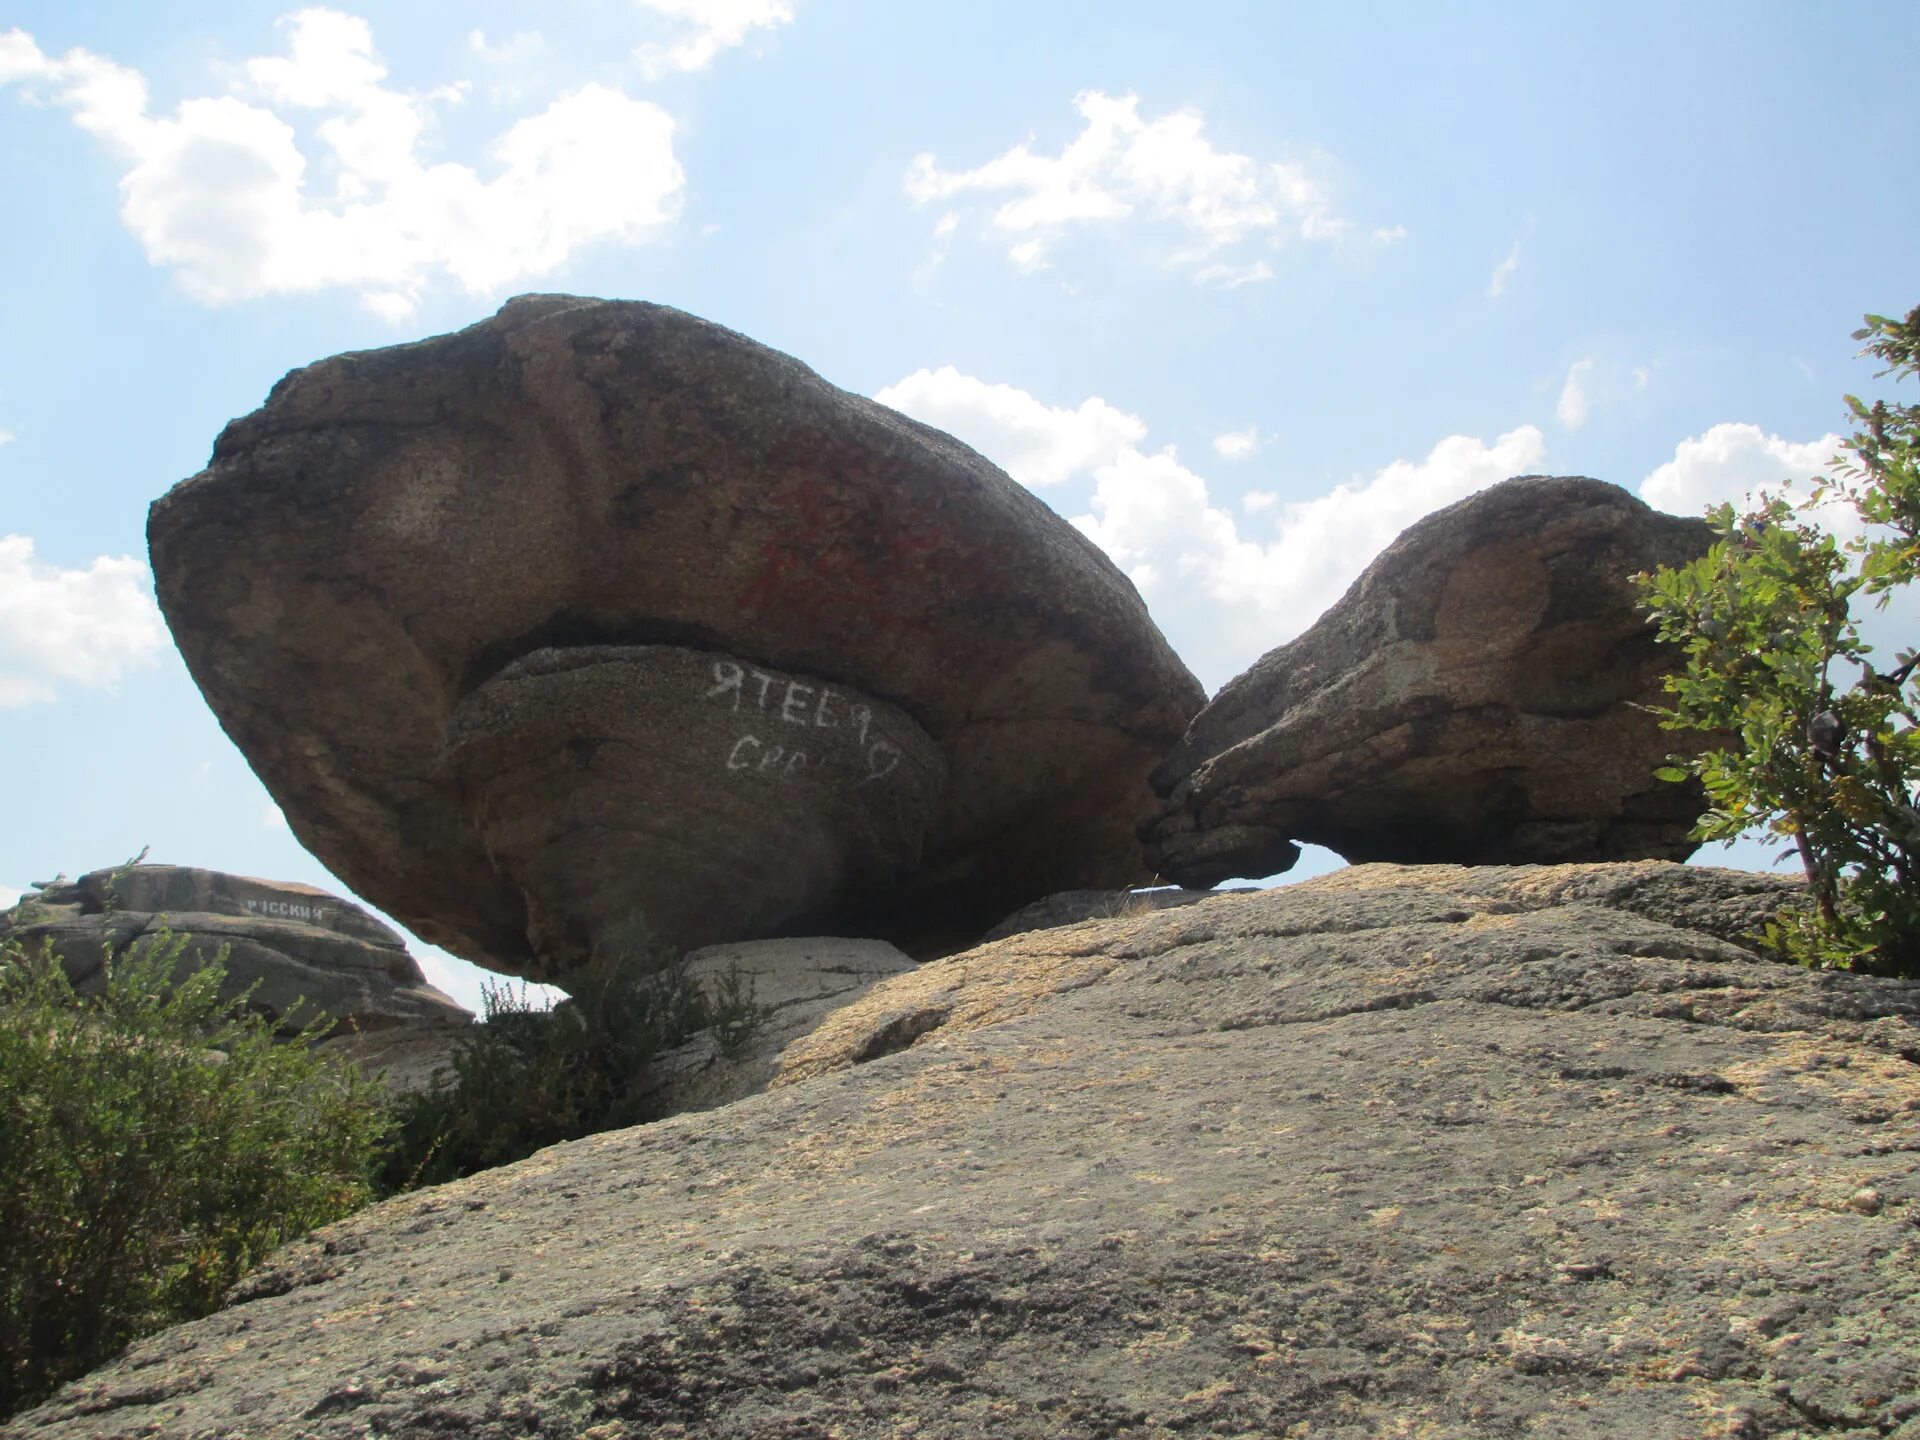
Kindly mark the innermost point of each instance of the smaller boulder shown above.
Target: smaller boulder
(1476, 698)
(793, 985)
(289, 943)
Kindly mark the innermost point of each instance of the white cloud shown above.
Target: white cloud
(1237, 444)
(1503, 272)
(1223, 598)
(1738, 464)
(1642, 376)
(81, 627)
(226, 194)
(1574, 406)
(1232, 277)
(7, 437)
(1255, 501)
(1163, 171)
(1033, 442)
(9, 897)
(1734, 463)
(707, 28)
(1028, 256)
(520, 45)
(272, 817)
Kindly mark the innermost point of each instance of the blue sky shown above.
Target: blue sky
(1242, 289)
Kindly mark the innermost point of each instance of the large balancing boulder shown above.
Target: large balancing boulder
(596, 622)
(296, 952)
(1474, 698)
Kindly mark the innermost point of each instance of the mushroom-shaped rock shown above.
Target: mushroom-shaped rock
(296, 951)
(597, 616)
(1473, 698)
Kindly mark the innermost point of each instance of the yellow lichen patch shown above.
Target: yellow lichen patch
(1542, 886)
(1491, 920)
(1389, 877)
(982, 987)
(1153, 1340)
(1864, 1085)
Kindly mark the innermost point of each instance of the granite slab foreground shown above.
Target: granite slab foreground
(1399, 1151)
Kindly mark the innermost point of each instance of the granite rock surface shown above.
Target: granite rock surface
(1474, 698)
(1499, 1152)
(393, 581)
(299, 949)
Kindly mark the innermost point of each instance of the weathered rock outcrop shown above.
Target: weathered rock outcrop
(868, 682)
(1473, 699)
(1070, 907)
(289, 942)
(793, 984)
(1426, 1151)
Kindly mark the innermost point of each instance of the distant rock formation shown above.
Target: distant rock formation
(1423, 1151)
(596, 616)
(1473, 699)
(289, 942)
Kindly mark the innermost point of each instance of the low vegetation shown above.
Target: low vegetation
(155, 1143)
(527, 1078)
(1819, 739)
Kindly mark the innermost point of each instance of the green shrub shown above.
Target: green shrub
(529, 1078)
(155, 1143)
(1809, 752)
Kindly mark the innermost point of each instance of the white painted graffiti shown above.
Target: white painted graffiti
(792, 702)
(288, 910)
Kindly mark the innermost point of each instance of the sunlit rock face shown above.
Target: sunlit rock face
(1477, 697)
(422, 586)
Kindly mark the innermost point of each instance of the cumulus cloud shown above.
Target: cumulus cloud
(1222, 596)
(1738, 464)
(80, 627)
(706, 27)
(9, 897)
(1038, 444)
(7, 437)
(1574, 406)
(1735, 463)
(1225, 597)
(230, 194)
(1163, 171)
(1237, 444)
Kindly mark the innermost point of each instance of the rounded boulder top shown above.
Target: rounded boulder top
(362, 576)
